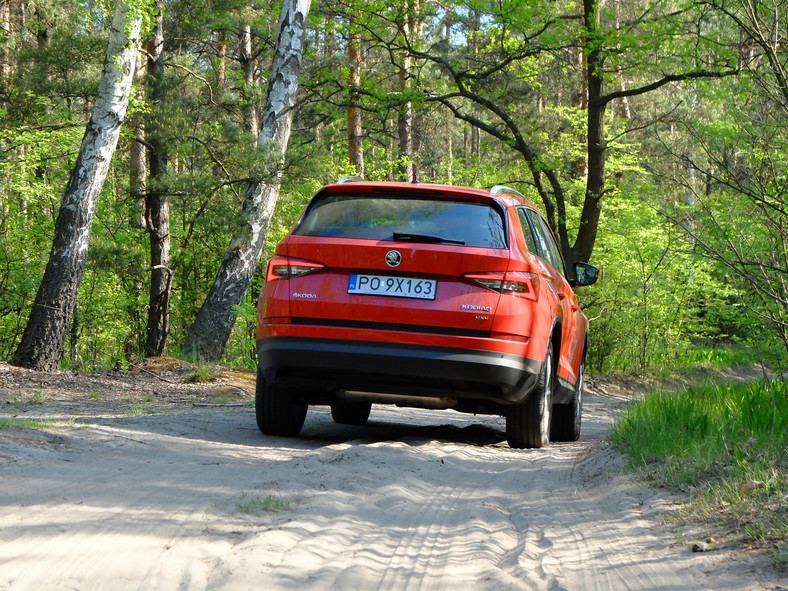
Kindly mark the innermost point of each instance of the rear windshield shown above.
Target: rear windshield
(405, 219)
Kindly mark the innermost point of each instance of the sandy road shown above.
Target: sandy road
(415, 500)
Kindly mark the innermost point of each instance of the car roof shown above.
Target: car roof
(503, 195)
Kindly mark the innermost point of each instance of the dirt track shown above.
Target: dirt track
(124, 498)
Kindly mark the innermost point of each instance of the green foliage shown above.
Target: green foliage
(661, 295)
(655, 298)
(33, 423)
(201, 374)
(725, 444)
(252, 504)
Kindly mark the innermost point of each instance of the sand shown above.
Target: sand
(187, 497)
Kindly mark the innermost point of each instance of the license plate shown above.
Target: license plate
(401, 287)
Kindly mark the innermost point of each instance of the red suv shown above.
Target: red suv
(426, 296)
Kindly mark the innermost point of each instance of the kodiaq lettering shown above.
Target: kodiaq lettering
(476, 308)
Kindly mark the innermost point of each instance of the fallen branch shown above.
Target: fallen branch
(147, 371)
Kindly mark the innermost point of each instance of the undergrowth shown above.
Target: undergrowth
(726, 445)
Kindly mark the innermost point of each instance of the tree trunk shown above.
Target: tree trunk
(44, 337)
(405, 114)
(354, 128)
(246, 57)
(6, 64)
(405, 124)
(208, 335)
(221, 60)
(138, 182)
(157, 209)
(595, 183)
(43, 36)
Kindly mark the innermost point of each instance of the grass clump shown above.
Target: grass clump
(202, 374)
(724, 444)
(252, 504)
(34, 423)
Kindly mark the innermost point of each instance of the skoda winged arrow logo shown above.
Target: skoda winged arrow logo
(393, 258)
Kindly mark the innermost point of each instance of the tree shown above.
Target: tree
(208, 335)
(157, 208)
(737, 213)
(489, 90)
(355, 131)
(43, 340)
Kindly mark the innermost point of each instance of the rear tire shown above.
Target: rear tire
(528, 424)
(350, 413)
(277, 410)
(567, 417)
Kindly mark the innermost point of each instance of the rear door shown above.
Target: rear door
(555, 276)
(399, 261)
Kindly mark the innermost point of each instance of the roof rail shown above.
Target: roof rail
(350, 179)
(497, 189)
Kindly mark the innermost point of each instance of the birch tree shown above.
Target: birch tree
(43, 340)
(208, 336)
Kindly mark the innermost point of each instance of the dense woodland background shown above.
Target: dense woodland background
(653, 134)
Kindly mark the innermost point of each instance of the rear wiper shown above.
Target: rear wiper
(426, 238)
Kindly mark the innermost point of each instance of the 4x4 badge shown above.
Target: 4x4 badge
(393, 258)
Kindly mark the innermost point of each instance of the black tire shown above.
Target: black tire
(567, 417)
(350, 413)
(528, 424)
(276, 410)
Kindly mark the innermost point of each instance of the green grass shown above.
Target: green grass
(710, 442)
(34, 423)
(38, 397)
(717, 356)
(251, 504)
(202, 374)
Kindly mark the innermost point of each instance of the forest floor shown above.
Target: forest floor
(148, 479)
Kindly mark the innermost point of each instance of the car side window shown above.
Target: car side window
(542, 250)
(527, 232)
(546, 242)
(555, 253)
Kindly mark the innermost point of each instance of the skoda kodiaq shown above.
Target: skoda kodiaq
(425, 296)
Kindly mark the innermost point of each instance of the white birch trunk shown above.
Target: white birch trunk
(44, 337)
(208, 335)
(246, 57)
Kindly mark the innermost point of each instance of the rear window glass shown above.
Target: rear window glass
(417, 220)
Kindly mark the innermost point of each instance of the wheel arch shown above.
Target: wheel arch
(556, 336)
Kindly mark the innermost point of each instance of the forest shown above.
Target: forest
(653, 135)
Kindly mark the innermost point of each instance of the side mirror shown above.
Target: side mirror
(585, 274)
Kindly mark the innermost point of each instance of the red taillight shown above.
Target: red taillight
(287, 268)
(516, 282)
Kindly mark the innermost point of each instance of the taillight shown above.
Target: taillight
(516, 282)
(287, 268)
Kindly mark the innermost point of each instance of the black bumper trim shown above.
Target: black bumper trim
(391, 368)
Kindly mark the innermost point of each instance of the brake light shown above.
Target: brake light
(516, 282)
(287, 268)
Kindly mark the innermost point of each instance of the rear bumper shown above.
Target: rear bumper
(392, 368)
